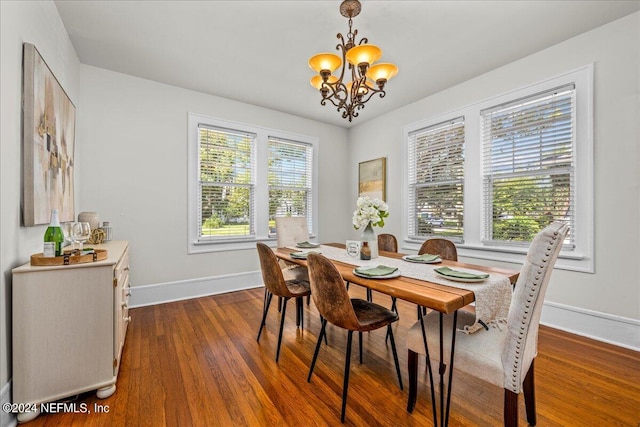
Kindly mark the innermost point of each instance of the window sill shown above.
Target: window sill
(225, 245)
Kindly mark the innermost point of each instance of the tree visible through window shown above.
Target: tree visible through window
(528, 165)
(226, 182)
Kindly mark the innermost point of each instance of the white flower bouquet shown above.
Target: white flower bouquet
(370, 210)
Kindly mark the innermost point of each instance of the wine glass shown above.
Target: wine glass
(81, 233)
(67, 230)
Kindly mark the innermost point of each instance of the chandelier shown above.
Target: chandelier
(359, 78)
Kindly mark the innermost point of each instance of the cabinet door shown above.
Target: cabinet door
(62, 332)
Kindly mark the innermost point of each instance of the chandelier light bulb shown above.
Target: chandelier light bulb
(381, 73)
(325, 62)
(364, 54)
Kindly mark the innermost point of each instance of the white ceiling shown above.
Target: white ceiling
(257, 51)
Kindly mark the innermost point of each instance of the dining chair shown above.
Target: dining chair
(335, 306)
(443, 247)
(502, 355)
(275, 283)
(389, 243)
(289, 231)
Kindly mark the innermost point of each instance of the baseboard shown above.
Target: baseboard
(194, 288)
(604, 327)
(7, 419)
(615, 330)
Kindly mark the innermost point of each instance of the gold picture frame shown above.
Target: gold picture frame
(372, 178)
(48, 143)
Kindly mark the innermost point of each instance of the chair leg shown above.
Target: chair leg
(347, 285)
(369, 295)
(279, 304)
(315, 354)
(308, 299)
(413, 379)
(360, 344)
(325, 335)
(529, 390)
(394, 302)
(510, 409)
(298, 311)
(268, 297)
(395, 354)
(284, 311)
(347, 366)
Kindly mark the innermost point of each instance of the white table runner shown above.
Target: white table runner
(493, 296)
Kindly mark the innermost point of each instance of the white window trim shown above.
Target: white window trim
(579, 259)
(261, 217)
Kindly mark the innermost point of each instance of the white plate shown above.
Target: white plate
(460, 279)
(386, 276)
(303, 256)
(435, 261)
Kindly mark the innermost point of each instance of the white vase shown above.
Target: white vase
(368, 235)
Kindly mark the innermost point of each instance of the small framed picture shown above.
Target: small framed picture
(353, 248)
(372, 176)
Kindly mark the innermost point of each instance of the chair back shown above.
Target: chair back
(291, 230)
(271, 271)
(526, 304)
(443, 247)
(330, 294)
(387, 242)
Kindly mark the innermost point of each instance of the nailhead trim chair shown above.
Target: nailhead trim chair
(275, 284)
(503, 356)
(333, 302)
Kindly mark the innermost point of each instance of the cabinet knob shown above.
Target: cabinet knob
(127, 319)
(124, 304)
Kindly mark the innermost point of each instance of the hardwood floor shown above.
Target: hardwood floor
(197, 363)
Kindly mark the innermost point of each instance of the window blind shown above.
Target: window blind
(226, 171)
(290, 179)
(528, 165)
(436, 180)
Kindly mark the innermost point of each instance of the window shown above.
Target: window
(290, 178)
(240, 178)
(490, 175)
(436, 181)
(528, 176)
(226, 183)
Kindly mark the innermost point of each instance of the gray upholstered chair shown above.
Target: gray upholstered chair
(501, 356)
(275, 284)
(333, 302)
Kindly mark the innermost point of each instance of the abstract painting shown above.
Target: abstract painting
(372, 176)
(48, 131)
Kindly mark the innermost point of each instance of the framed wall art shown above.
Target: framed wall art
(48, 131)
(372, 177)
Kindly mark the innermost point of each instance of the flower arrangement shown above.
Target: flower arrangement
(370, 210)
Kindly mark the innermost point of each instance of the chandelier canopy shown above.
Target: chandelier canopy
(359, 78)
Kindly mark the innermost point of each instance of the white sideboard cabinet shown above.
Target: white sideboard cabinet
(69, 326)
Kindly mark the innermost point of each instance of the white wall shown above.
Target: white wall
(134, 174)
(615, 51)
(38, 23)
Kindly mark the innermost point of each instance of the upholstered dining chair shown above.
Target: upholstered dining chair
(289, 231)
(333, 302)
(443, 247)
(275, 283)
(437, 246)
(502, 356)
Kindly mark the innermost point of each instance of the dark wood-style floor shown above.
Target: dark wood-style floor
(197, 363)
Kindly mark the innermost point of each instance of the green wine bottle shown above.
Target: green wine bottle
(53, 237)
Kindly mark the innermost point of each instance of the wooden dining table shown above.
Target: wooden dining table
(446, 299)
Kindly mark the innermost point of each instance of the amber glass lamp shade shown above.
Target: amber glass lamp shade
(382, 72)
(325, 61)
(316, 81)
(364, 53)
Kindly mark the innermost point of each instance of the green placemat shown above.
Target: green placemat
(381, 270)
(446, 271)
(423, 257)
(306, 245)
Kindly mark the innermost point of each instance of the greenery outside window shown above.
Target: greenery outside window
(436, 181)
(241, 177)
(527, 161)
